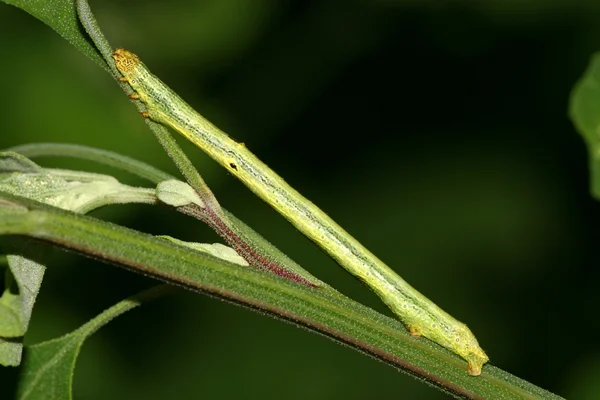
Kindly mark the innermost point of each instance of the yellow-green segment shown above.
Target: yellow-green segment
(419, 314)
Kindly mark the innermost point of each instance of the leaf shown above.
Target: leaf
(177, 193)
(72, 190)
(218, 250)
(584, 110)
(15, 162)
(49, 366)
(61, 15)
(16, 308)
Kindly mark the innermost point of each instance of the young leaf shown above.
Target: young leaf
(71, 190)
(216, 249)
(177, 193)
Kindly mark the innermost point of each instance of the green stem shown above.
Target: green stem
(320, 311)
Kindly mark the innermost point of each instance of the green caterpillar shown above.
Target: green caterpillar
(420, 315)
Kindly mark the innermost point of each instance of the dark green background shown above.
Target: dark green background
(434, 131)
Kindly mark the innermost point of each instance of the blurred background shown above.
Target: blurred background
(435, 132)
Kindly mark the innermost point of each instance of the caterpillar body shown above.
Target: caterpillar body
(420, 315)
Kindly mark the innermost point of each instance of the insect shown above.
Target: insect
(420, 315)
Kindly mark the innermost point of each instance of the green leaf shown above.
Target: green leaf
(61, 15)
(71, 190)
(177, 193)
(15, 162)
(584, 110)
(216, 249)
(16, 308)
(47, 372)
